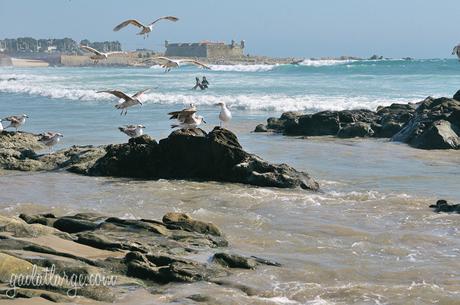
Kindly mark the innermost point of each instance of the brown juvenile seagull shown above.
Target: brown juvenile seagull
(99, 55)
(16, 121)
(169, 63)
(184, 112)
(186, 118)
(128, 100)
(145, 29)
(50, 138)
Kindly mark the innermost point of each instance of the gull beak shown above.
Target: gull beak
(204, 121)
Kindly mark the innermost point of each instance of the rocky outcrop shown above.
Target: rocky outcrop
(193, 154)
(430, 124)
(435, 125)
(186, 154)
(134, 252)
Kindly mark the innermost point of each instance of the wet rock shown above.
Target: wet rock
(234, 261)
(193, 154)
(358, 129)
(184, 222)
(442, 206)
(74, 225)
(43, 219)
(260, 128)
(430, 127)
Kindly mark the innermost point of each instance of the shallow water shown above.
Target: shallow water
(367, 238)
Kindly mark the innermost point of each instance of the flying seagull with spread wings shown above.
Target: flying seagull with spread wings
(145, 29)
(169, 63)
(456, 51)
(128, 100)
(97, 55)
(179, 115)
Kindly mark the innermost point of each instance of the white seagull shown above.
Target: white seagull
(225, 115)
(133, 131)
(169, 63)
(128, 100)
(50, 138)
(99, 55)
(456, 51)
(16, 121)
(145, 29)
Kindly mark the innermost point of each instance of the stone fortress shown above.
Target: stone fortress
(205, 49)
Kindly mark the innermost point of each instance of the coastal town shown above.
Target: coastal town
(29, 52)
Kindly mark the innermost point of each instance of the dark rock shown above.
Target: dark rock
(457, 96)
(440, 135)
(193, 154)
(74, 225)
(44, 219)
(261, 128)
(234, 261)
(442, 206)
(358, 129)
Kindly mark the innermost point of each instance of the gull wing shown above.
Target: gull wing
(117, 93)
(115, 52)
(162, 58)
(126, 23)
(180, 115)
(92, 50)
(170, 18)
(196, 63)
(12, 119)
(139, 94)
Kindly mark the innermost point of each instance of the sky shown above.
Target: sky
(308, 28)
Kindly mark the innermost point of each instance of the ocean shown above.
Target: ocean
(368, 237)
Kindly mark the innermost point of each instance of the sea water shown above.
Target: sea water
(367, 238)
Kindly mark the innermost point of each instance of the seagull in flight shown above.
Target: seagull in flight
(456, 51)
(169, 63)
(50, 139)
(145, 29)
(128, 100)
(225, 115)
(16, 121)
(99, 55)
(133, 131)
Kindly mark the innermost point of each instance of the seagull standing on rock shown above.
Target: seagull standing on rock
(225, 115)
(133, 131)
(145, 29)
(128, 100)
(16, 121)
(50, 139)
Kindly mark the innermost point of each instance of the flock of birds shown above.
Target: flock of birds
(186, 118)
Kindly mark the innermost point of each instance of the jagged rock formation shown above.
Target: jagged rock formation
(430, 124)
(185, 154)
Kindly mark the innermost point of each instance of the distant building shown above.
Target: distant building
(205, 49)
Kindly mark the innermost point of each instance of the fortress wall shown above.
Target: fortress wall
(186, 50)
(218, 51)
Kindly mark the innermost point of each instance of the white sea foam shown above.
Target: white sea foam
(324, 62)
(256, 102)
(243, 68)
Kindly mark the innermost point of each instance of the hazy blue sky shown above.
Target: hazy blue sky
(393, 28)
